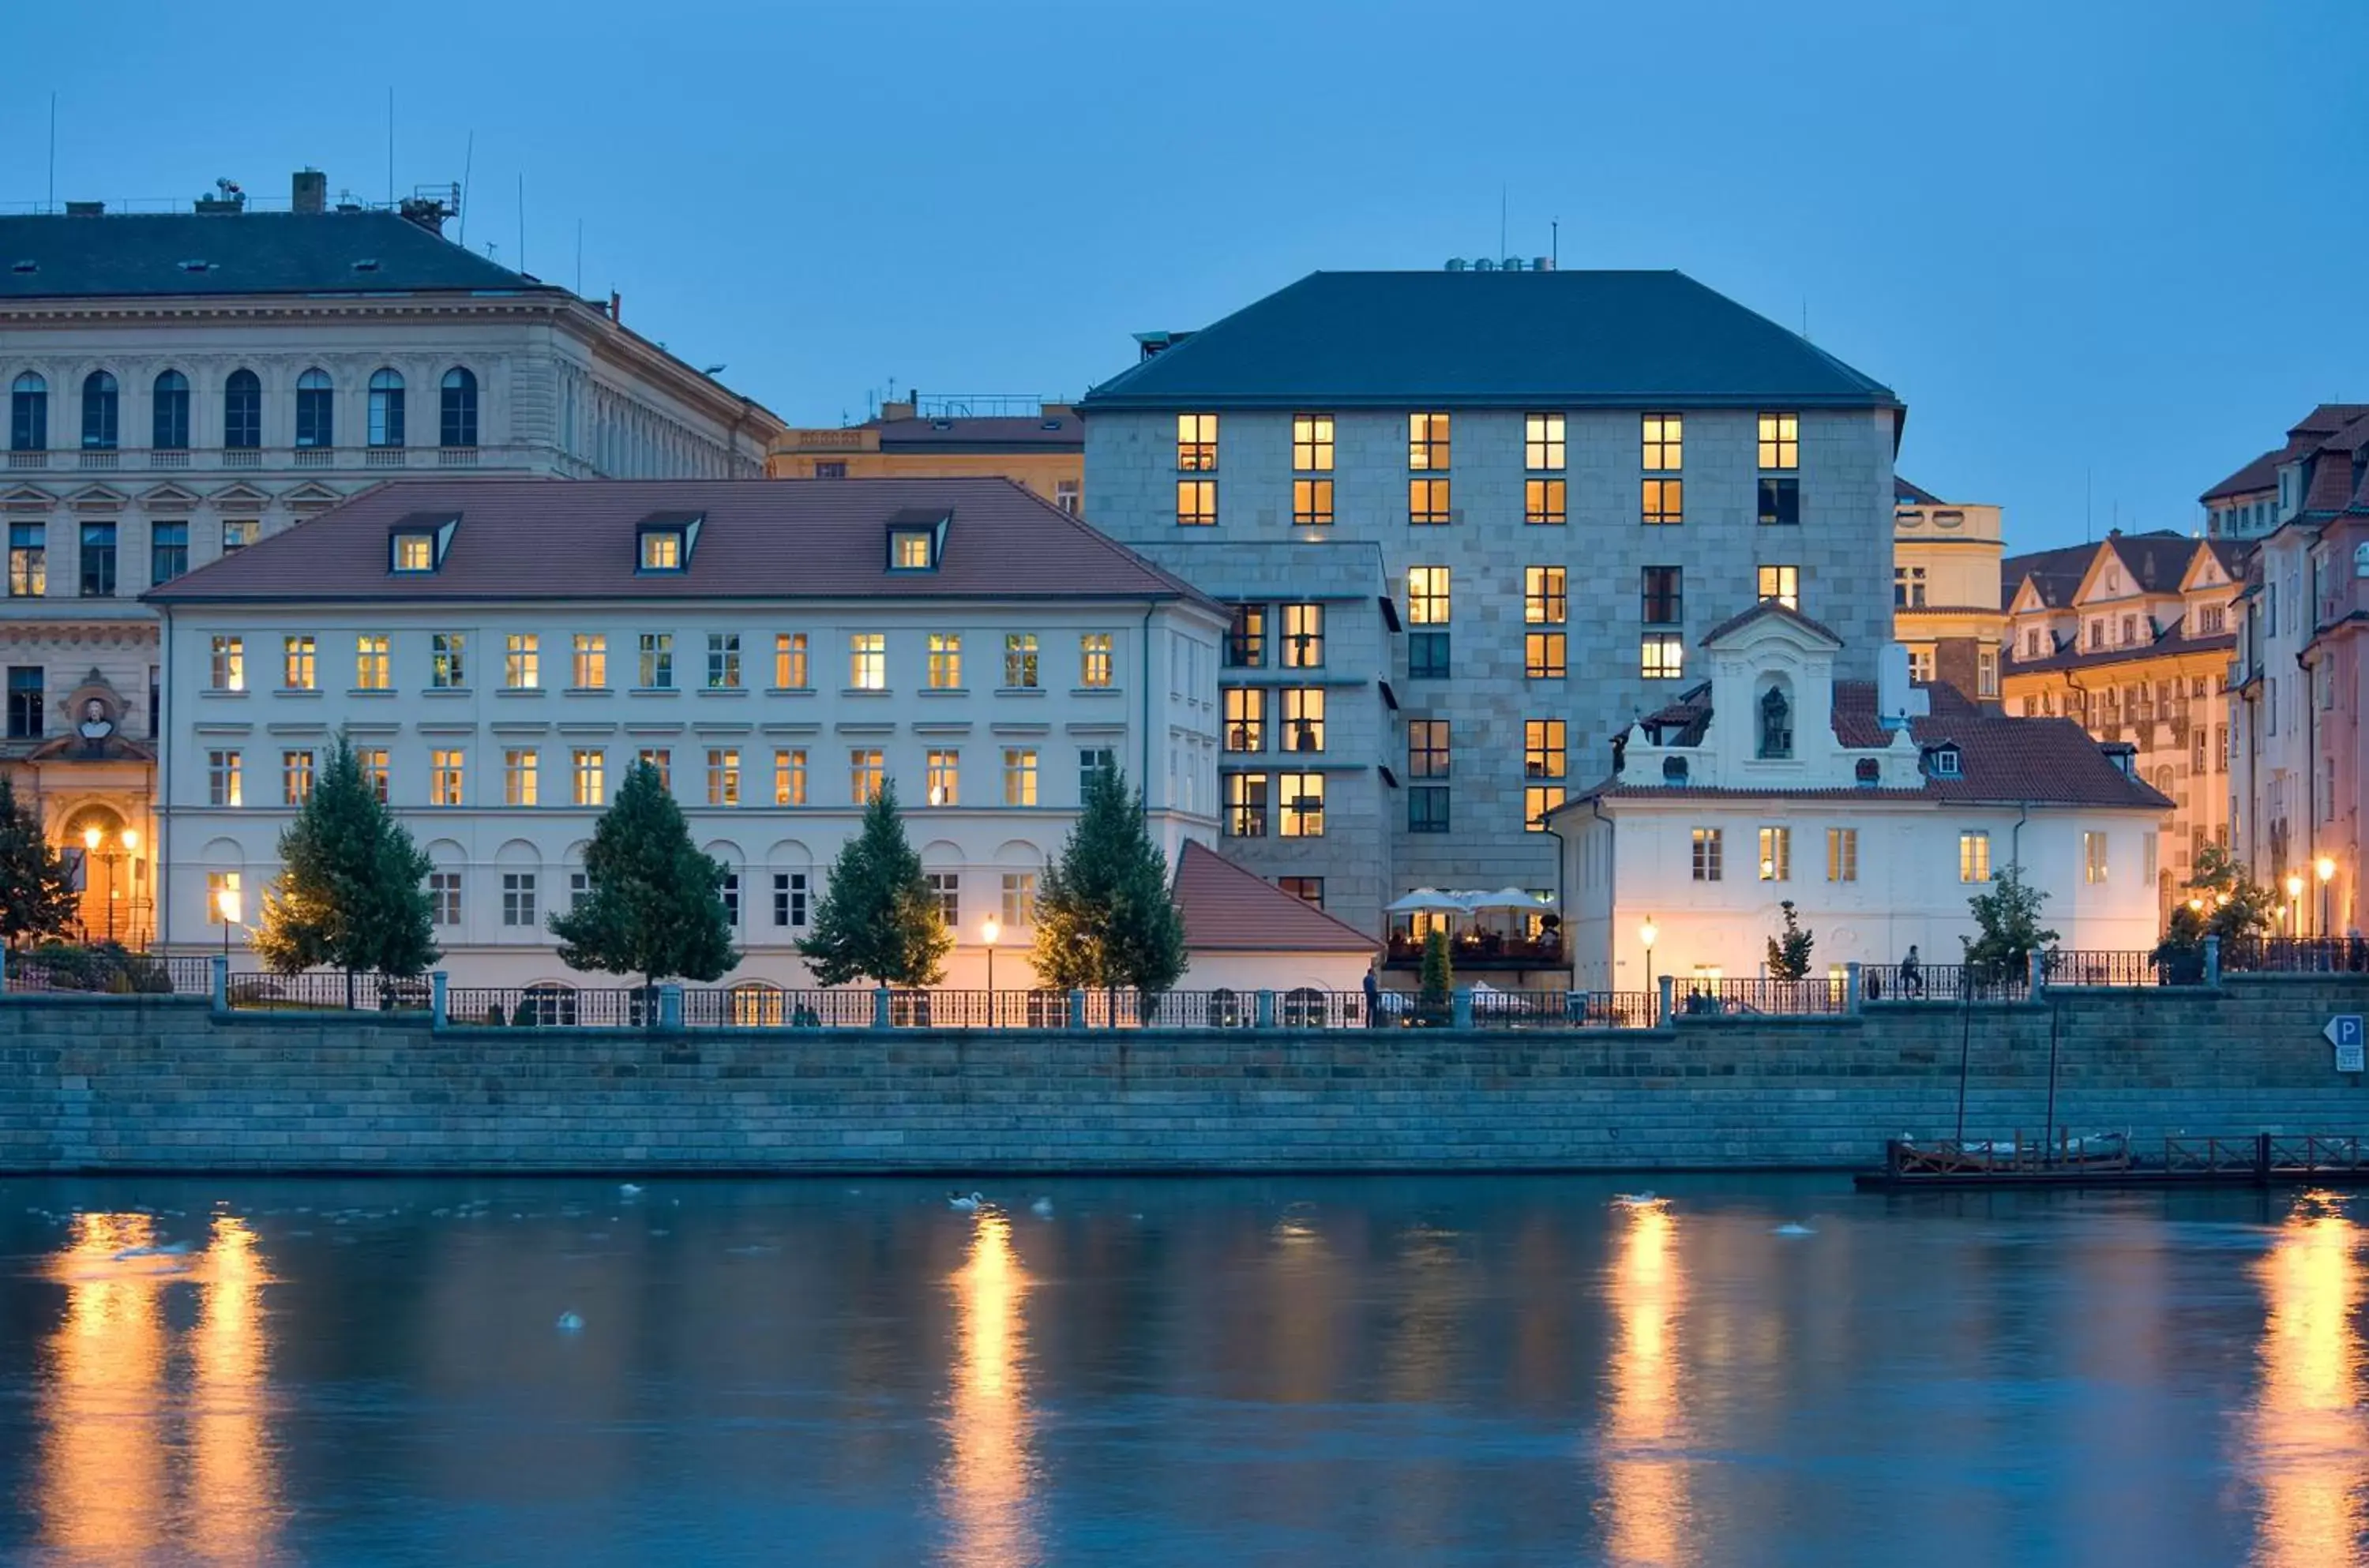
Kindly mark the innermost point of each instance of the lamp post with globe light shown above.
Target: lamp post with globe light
(1648, 933)
(227, 901)
(2325, 869)
(988, 930)
(2294, 901)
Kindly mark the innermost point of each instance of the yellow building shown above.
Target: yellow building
(948, 437)
(1945, 591)
(2132, 638)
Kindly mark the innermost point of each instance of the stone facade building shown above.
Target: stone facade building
(777, 649)
(1472, 522)
(180, 386)
(1945, 573)
(1040, 445)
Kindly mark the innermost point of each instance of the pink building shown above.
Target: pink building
(2299, 776)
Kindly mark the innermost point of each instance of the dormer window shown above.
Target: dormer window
(418, 542)
(1943, 761)
(663, 543)
(916, 540)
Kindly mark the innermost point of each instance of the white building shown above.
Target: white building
(1772, 780)
(180, 386)
(501, 652)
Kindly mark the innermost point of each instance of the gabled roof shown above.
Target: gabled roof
(1766, 609)
(148, 254)
(2310, 433)
(2055, 574)
(545, 540)
(1401, 339)
(1230, 910)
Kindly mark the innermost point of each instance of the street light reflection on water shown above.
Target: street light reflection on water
(1644, 1504)
(987, 1486)
(2309, 1443)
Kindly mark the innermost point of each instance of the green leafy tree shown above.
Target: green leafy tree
(351, 891)
(2008, 916)
(879, 920)
(2232, 904)
(1105, 918)
(1789, 950)
(2179, 956)
(653, 904)
(34, 898)
(1437, 977)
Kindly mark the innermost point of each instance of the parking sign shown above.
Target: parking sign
(2343, 1032)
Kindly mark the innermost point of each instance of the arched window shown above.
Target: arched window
(98, 404)
(459, 423)
(28, 414)
(1776, 724)
(243, 411)
(170, 403)
(316, 420)
(387, 409)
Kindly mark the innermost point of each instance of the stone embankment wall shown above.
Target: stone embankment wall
(137, 1084)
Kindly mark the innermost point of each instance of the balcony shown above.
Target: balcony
(1487, 950)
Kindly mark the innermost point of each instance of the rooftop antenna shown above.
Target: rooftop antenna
(580, 258)
(521, 260)
(467, 159)
(1554, 242)
(1805, 318)
(1501, 220)
(390, 146)
(51, 204)
(2088, 527)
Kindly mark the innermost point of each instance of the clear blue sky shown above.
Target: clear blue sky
(2122, 241)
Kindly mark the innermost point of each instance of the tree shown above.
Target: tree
(2009, 918)
(34, 898)
(653, 904)
(1105, 917)
(879, 920)
(351, 890)
(1437, 977)
(1789, 950)
(2234, 904)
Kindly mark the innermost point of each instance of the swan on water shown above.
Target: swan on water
(1636, 1200)
(569, 1322)
(1042, 1209)
(962, 1204)
(1792, 1228)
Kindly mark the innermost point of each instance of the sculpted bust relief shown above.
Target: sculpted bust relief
(96, 723)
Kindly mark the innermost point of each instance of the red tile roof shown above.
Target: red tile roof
(553, 539)
(1766, 607)
(2041, 761)
(2311, 433)
(1228, 910)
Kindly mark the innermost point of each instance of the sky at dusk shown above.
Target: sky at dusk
(2113, 249)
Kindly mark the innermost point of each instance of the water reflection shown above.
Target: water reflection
(987, 1480)
(111, 1489)
(2307, 1437)
(1645, 1508)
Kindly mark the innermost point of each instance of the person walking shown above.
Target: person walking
(1373, 995)
(1911, 978)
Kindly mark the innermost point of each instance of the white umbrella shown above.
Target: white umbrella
(1507, 898)
(1425, 900)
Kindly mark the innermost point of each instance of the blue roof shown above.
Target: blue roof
(150, 254)
(1397, 340)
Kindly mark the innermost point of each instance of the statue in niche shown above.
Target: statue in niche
(96, 723)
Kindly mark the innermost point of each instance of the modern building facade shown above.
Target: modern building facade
(2299, 785)
(1039, 445)
(2131, 638)
(1472, 523)
(181, 385)
(778, 650)
(1879, 815)
(1945, 573)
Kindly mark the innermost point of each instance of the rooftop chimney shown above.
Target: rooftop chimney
(309, 191)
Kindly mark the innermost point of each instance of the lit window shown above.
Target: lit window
(867, 661)
(444, 778)
(658, 661)
(1545, 751)
(790, 662)
(1545, 596)
(521, 778)
(1661, 656)
(295, 777)
(1704, 847)
(2093, 858)
(1197, 503)
(1303, 719)
(1245, 806)
(229, 664)
(790, 778)
(1427, 503)
(1302, 800)
(1311, 503)
(912, 549)
(522, 661)
(591, 777)
(1427, 596)
(1974, 857)
(943, 778)
(945, 661)
(1842, 855)
(723, 776)
(223, 780)
(1663, 444)
(662, 550)
(1019, 775)
(1245, 709)
(1311, 464)
(1780, 441)
(444, 898)
(659, 761)
(1429, 749)
(447, 665)
(415, 552)
(1781, 585)
(297, 663)
(1246, 639)
(723, 662)
(1307, 889)
(1776, 854)
(1303, 636)
(1545, 502)
(372, 761)
(238, 533)
(217, 884)
(1543, 655)
(29, 572)
(1094, 660)
(1542, 443)
(1020, 660)
(592, 662)
(1196, 443)
(1664, 501)
(1427, 443)
(1537, 800)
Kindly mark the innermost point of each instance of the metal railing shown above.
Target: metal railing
(2294, 954)
(1784, 999)
(2074, 966)
(1941, 982)
(317, 990)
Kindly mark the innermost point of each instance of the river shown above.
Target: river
(1364, 1371)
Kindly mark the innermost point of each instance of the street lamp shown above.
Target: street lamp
(988, 930)
(95, 842)
(1648, 933)
(2295, 897)
(227, 901)
(2325, 869)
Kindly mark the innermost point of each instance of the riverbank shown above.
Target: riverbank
(141, 1083)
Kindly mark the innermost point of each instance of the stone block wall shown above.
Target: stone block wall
(130, 1084)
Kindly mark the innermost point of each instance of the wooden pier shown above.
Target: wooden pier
(2262, 1160)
